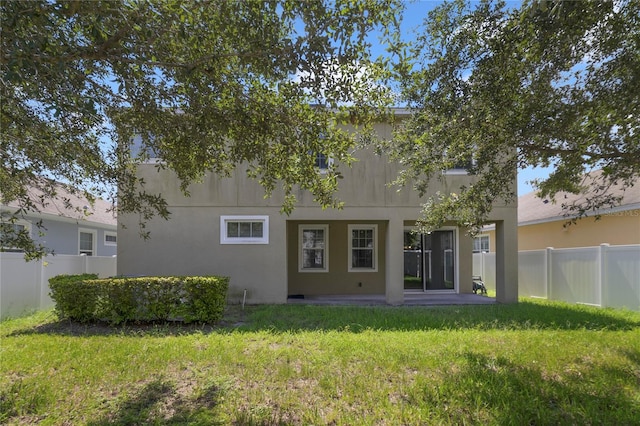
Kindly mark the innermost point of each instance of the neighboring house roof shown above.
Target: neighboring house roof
(77, 208)
(533, 209)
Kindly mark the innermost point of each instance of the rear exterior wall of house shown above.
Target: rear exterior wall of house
(270, 268)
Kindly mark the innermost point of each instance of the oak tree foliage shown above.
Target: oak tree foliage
(208, 86)
(549, 83)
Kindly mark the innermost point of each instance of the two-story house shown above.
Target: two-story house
(227, 227)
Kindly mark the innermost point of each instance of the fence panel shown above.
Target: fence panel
(575, 275)
(24, 286)
(607, 276)
(57, 265)
(19, 284)
(532, 275)
(622, 277)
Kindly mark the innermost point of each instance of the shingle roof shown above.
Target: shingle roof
(531, 208)
(78, 208)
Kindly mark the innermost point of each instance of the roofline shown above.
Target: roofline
(60, 218)
(618, 209)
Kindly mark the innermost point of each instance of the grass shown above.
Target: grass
(531, 363)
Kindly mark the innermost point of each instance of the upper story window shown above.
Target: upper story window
(363, 248)
(322, 161)
(244, 229)
(461, 168)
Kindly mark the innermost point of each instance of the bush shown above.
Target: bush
(73, 298)
(117, 300)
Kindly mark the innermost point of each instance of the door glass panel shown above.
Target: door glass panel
(413, 265)
(429, 261)
(440, 244)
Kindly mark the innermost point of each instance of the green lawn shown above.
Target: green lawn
(530, 363)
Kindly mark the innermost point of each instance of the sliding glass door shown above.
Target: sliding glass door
(429, 260)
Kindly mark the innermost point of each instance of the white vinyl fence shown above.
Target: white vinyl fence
(605, 276)
(24, 286)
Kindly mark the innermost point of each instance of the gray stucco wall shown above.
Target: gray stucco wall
(189, 243)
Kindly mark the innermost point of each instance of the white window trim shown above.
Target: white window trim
(112, 234)
(459, 170)
(367, 226)
(94, 241)
(455, 172)
(325, 228)
(224, 239)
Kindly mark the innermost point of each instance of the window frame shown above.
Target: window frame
(313, 226)
(94, 241)
(374, 256)
(110, 234)
(26, 225)
(479, 237)
(328, 161)
(226, 239)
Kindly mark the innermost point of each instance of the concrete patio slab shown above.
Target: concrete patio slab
(410, 299)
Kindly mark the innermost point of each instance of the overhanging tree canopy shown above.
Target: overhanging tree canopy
(551, 83)
(207, 85)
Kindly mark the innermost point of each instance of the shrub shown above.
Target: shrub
(143, 299)
(74, 299)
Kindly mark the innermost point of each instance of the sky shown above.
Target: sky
(415, 12)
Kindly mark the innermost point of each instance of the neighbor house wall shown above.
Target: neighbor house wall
(618, 228)
(61, 234)
(63, 237)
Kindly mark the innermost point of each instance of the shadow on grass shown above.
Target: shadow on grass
(526, 315)
(160, 402)
(494, 390)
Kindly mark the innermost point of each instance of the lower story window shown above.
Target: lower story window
(110, 238)
(363, 248)
(11, 234)
(244, 229)
(87, 243)
(314, 247)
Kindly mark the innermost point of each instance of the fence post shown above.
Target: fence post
(602, 276)
(41, 284)
(547, 273)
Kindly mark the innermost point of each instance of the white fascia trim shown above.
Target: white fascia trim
(606, 212)
(35, 216)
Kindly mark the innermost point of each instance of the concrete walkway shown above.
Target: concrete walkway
(410, 299)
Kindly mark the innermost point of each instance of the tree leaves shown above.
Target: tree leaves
(549, 83)
(206, 85)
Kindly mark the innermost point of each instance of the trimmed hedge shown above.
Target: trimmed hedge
(86, 298)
